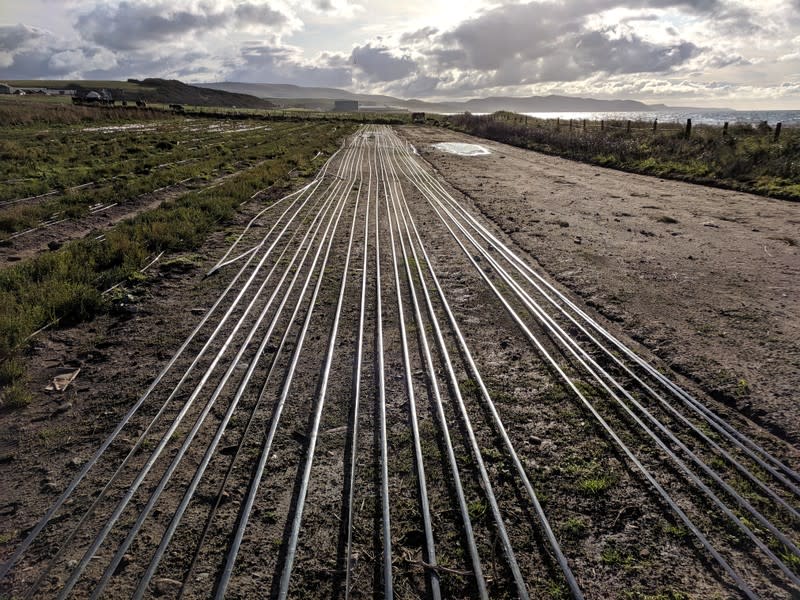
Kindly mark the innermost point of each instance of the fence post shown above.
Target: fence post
(725, 129)
(584, 124)
(602, 125)
(777, 131)
(570, 124)
(655, 125)
(688, 128)
(629, 127)
(558, 123)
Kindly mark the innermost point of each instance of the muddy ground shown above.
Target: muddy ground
(705, 279)
(726, 319)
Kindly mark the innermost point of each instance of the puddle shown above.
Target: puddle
(115, 128)
(461, 148)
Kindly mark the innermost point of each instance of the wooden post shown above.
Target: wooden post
(558, 123)
(655, 125)
(777, 131)
(629, 127)
(688, 128)
(570, 124)
(602, 125)
(584, 124)
(725, 129)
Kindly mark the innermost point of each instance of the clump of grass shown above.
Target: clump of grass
(594, 486)
(575, 527)
(15, 396)
(477, 509)
(675, 531)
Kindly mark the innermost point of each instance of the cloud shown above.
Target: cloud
(14, 37)
(420, 35)
(29, 51)
(283, 64)
(135, 25)
(529, 44)
(379, 64)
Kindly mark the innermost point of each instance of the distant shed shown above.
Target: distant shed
(6, 89)
(345, 105)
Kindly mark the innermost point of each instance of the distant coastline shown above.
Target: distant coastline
(698, 116)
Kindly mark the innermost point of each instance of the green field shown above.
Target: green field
(126, 159)
(84, 83)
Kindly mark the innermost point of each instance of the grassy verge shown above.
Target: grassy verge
(747, 158)
(65, 286)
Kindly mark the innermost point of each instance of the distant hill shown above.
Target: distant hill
(322, 98)
(167, 91)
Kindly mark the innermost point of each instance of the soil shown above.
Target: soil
(712, 321)
(705, 279)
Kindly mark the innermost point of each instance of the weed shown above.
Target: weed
(11, 370)
(675, 531)
(575, 527)
(742, 388)
(477, 509)
(7, 537)
(54, 436)
(557, 590)
(612, 556)
(594, 486)
(789, 558)
(17, 395)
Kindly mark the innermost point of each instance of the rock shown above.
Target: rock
(166, 586)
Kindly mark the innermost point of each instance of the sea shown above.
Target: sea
(698, 116)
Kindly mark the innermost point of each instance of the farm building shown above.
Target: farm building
(103, 97)
(345, 105)
(6, 89)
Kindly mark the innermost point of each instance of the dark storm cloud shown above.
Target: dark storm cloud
(596, 51)
(378, 64)
(528, 43)
(132, 25)
(27, 52)
(275, 64)
(13, 37)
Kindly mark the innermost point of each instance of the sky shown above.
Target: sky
(741, 54)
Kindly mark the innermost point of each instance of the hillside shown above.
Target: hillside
(322, 98)
(167, 91)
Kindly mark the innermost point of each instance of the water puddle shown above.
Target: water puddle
(461, 148)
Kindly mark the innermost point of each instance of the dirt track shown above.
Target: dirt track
(706, 279)
(617, 532)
